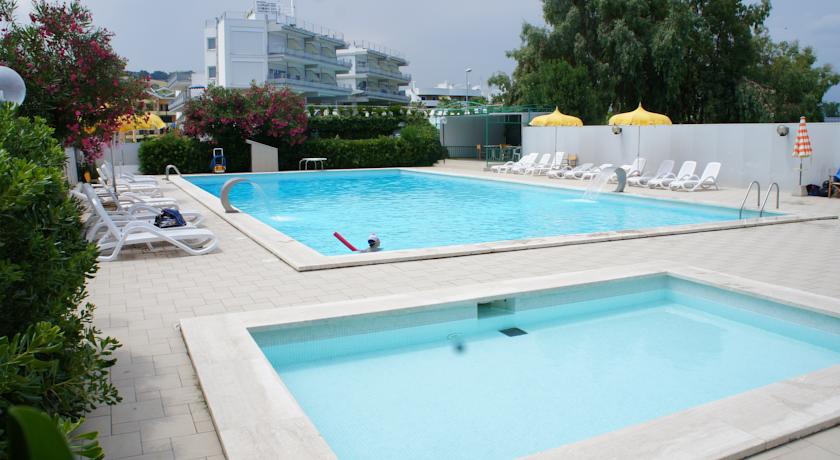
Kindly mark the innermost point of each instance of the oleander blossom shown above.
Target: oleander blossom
(259, 112)
(74, 79)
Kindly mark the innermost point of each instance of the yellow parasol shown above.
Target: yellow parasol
(556, 119)
(639, 117)
(148, 121)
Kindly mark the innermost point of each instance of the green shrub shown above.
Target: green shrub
(44, 264)
(189, 155)
(184, 152)
(418, 145)
(352, 127)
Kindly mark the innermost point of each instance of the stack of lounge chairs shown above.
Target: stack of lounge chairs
(135, 204)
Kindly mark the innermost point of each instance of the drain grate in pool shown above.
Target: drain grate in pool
(512, 331)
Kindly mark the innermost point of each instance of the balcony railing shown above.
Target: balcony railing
(309, 27)
(299, 82)
(386, 73)
(345, 63)
(378, 48)
(398, 96)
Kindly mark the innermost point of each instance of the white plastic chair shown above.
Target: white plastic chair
(685, 172)
(510, 164)
(704, 181)
(544, 162)
(192, 240)
(665, 168)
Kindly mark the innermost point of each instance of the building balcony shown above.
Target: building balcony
(308, 28)
(398, 76)
(381, 50)
(302, 85)
(382, 94)
(280, 52)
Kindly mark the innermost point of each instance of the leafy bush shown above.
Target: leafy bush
(418, 145)
(352, 127)
(55, 361)
(184, 152)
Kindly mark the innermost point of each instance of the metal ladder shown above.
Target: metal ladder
(767, 197)
(757, 197)
(758, 203)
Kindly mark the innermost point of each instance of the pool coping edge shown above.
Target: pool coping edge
(303, 258)
(256, 416)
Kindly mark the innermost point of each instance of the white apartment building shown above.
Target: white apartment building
(375, 75)
(429, 97)
(241, 48)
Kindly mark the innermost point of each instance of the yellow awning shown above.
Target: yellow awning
(639, 116)
(148, 121)
(556, 119)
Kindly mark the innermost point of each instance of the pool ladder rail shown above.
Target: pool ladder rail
(758, 203)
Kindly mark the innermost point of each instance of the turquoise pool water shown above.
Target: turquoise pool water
(460, 389)
(411, 210)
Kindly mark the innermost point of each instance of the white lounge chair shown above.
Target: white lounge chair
(520, 167)
(555, 164)
(192, 240)
(665, 168)
(543, 162)
(685, 172)
(528, 159)
(146, 188)
(129, 176)
(592, 173)
(636, 168)
(704, 181)
(578, 171)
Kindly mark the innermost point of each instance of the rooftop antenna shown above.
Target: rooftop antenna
(292, 8)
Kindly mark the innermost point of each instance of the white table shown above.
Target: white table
(303, 164)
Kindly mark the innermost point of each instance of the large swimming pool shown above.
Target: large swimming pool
(521, 375)
(410, 210)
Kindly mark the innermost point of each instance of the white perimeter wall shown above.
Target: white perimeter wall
(747, 151)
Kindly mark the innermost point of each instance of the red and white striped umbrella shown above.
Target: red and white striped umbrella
(802, 147)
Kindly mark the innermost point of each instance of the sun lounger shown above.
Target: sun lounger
(544, 162)
(592, 173)
(555, 164)
(665, 168)
(704, 181)
(578, 171)
(685, 172)
(526, 160)
(192, 240)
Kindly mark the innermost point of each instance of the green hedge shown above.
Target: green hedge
(190, 155)
(418, 145)
(353, 127)
(51, 356)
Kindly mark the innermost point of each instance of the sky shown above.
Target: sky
(441, 38)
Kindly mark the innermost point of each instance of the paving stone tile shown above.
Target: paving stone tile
(167, 427)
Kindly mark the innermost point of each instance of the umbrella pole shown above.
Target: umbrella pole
(639, 142)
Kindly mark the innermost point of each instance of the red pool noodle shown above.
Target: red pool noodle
(344, 240)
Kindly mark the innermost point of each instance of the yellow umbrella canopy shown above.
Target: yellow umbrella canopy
(639, 117)
(556, 119)
(138, 122)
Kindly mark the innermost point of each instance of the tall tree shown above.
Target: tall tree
(696, 60)
(74, 79)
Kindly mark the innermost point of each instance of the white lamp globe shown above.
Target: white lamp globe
(12, 88)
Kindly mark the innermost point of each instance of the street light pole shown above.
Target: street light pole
(467, 73)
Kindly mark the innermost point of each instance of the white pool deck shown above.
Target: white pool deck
(142, 297)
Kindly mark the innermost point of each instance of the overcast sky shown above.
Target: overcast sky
(440, 37)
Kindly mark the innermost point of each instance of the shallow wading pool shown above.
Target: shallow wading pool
(516, 376)
(520, 367)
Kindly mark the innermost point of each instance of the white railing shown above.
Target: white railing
(378, 48)
(387, 73)
(299, 82)
(309, 55)
(308, 26)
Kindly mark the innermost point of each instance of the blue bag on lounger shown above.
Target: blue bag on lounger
(170, 218)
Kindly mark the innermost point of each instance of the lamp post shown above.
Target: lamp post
(467, 73)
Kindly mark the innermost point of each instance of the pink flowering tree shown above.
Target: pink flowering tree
(74, 79)
(265, 113)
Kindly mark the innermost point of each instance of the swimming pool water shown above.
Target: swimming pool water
(463, 390)
(411, 210)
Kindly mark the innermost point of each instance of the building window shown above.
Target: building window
(211, 43)
(211, 72)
